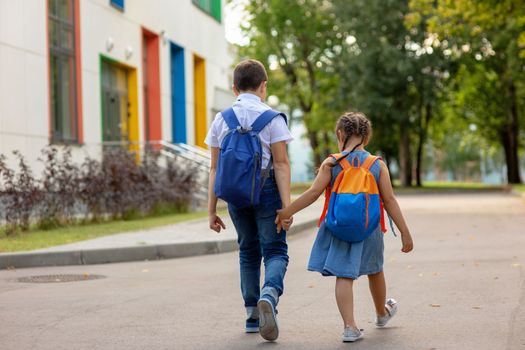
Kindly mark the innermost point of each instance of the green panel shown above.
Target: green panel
(211, 7)
(216, 9)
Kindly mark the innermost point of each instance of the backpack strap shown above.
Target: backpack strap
(328, 191)
(230, 118)
(369, 161)
(262, 120)
(265, 118)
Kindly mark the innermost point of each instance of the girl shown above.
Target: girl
(347, 261)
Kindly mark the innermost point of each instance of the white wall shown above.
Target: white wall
(24, 82)
(24, 102)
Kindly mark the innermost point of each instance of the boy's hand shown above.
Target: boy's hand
(283, 221)
(216, 223)
(408, 245)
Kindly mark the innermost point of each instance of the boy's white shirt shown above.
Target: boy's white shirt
(247, 108)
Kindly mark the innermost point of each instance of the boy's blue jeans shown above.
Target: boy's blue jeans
(258, 238)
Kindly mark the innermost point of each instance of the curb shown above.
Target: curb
(126, 254)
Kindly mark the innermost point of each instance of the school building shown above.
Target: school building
(88, 72)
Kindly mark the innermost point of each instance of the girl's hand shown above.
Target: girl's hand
(408, 245)
(283, 221)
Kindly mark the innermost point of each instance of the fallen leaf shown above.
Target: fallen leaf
(311, 286)
(435, 305)
(496, 278)
(85, 275)
(476, 307)
(435, 274)
(145, 270)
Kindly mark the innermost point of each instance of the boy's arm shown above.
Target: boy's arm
(216, 222)
(312, 194)
(281, 166)
(393, 209)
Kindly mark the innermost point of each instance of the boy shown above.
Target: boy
(255, 225)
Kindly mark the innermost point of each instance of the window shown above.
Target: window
(63, 71)
(211, 7)
(118, 4)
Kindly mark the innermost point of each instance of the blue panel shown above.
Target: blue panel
(119, 4)
(178, 95)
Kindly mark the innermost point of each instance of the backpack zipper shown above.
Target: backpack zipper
(255, 165)
(367, 200)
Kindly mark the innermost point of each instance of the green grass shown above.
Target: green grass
(451, 186)
(299, 187)
(519, 188)
(37, 239)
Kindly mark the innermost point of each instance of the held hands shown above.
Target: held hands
(406, 240)
(283, 220)
(216, 223)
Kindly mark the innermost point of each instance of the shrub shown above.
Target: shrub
(118, 187)
(59, 184)
(19, 195)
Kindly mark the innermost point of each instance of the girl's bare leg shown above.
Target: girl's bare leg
(378, 290)
(344, 296)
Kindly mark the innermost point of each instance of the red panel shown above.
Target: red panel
(153, 129)
(78, 70)
(78, 58)
(48, 50)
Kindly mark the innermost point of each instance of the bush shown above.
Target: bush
(117, 187)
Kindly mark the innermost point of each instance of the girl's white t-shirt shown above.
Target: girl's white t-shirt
(247, 108)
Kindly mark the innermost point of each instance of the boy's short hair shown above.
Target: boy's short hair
(248, 75)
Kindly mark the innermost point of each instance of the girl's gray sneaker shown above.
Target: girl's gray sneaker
(391, 310)
(352, 334)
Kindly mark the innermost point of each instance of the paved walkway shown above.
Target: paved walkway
(463, 287)
(172, 241)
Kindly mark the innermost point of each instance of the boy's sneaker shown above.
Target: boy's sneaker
(352, 334)
(252, 325)
(391, 310)
(268, 327)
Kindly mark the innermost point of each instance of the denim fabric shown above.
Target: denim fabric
(258, 239)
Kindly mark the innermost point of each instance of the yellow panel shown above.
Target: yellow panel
(133, 126)
(199, 85)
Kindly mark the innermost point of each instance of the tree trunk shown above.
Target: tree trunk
(314, 143)
(510, 139)
(405, 159)
(423, 132)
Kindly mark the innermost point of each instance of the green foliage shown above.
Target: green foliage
(299, 41)
(485, 38)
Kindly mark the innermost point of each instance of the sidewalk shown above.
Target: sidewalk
(165, 242)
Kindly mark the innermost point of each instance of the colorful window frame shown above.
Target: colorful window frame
(211, 7)
(118, 4)
(65, 102)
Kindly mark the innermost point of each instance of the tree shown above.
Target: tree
(298, 41)
(486, 38)
(395, 72)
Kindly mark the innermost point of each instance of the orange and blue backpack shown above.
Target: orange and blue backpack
(353, 207)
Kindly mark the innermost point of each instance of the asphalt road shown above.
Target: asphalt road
(462, 288)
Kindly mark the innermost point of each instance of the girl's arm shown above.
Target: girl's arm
(393, 209)
(311, 195)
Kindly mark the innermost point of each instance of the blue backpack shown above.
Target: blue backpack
(240, 176)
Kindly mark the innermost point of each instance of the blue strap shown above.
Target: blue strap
(265, 118)
(230, 118)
